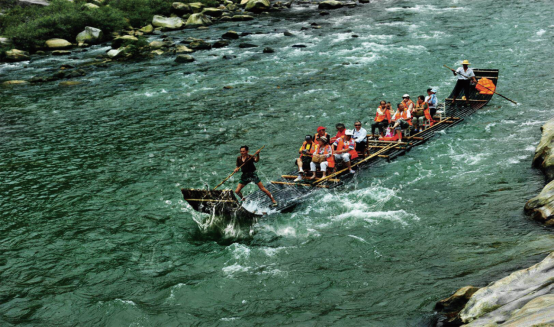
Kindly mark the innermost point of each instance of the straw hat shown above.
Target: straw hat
(465, 62)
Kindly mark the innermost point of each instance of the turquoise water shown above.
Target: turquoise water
(94, 231)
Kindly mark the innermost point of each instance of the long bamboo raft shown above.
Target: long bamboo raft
(288, 193)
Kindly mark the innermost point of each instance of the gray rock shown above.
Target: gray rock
(287, 33)
(512, 298)
(90, 35)
(196, 20)
(220, 44)
(229, 57)
(15, 55)
(257, 6)
(231, 35)
(330, 4)
(180, 8)
(172, 23)
(58, 44)
(184, 59)
(247, 45)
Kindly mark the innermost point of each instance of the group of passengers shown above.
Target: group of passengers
(347, 145)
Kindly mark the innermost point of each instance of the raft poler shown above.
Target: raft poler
(245, 162)
(465, 77)
(346, 149)
(306, 152)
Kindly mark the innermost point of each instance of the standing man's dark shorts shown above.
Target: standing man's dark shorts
(251, 177)
(462, 84)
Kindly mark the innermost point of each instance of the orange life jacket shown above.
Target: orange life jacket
(343, 144)
(427, 113)
(307, 146)
(403, 115)
(325, 151)
(407, 104)
(380, 116)
(485, 86)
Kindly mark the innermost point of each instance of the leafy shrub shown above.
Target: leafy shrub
(140, 12)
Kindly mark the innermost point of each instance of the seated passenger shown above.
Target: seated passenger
(346, 149)
(324, 156)
(340, 132)
(360, 136)
(382, 119)
(306, 151)
(420, 110)
(431, 100)
(402, 120)
(321, 132)
(408, 103)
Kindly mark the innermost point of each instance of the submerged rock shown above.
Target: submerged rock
(70, 83)
(220, 44)
(268, 50)
(118, 41)
(58, 44)
(240, 18)
(184, 59)
(231, 35)
(15, 82)
(183, 49)
(247, 45)
(198, 20)
(61, 53)
(15, 55)
(330, 4)
(171, 23)
(525, 295)
(200, 45)
(90, 35)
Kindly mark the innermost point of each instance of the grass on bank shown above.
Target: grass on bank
(28, 27)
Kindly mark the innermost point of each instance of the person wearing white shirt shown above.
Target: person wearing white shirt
(465, 77)
(432, 101)
(360, 136)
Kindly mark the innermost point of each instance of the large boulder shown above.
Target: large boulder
(184, 59)
(523, 295)
(544, 154)
(120, 40)
(16, 55)
(183, 49)
(541, 207)
(257, 6)
(180, 8)
(196, 7)
(196, 20)
(172, 23)
(58, 44)
(212, 12)
(90, 35)
(330, 4)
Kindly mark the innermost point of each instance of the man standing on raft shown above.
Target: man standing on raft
(245, 162)
(465, 77)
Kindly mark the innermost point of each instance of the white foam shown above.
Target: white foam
(358, 238)
(541, 32)
(426, 8)
(233, 269)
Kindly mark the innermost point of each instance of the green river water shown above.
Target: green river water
(94, 231)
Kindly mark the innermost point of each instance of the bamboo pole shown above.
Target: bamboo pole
(297, 184)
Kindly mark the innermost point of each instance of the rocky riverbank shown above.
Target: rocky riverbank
(525, 297)
(155, 39)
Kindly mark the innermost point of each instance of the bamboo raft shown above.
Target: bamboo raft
(289, 194)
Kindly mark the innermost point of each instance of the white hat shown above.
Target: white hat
(434, 90)
(406, 95)
(349, 132)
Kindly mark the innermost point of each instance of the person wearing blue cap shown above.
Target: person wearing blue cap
(431, 100)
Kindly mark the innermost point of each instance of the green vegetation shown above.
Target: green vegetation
(30, 26)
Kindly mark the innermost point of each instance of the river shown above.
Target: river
(94, 231)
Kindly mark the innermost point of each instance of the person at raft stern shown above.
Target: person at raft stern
(360, 136)
(346, 149)
(402, 120)
(432, 101)
(465, 77)
(420, 113)
(322, 155)
(321, 132)
(249, 172)
(382, 119)
(408, 103)
(340, 131)
(306, 151)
